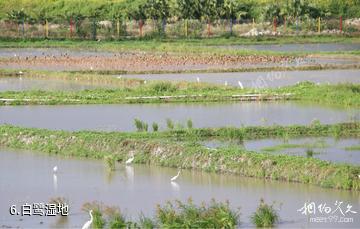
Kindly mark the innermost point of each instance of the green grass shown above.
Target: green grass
(175, 214)
(198, 46)
(354, 147)
(340, 94)
(293, 146)
(189, 215)
(178, 148)
(265, 216)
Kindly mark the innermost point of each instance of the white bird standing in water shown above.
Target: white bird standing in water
(225, 83)
(198, 79)
(55, 169)
(175, 177)
(240, 84)
(130, 160)
(88, 223)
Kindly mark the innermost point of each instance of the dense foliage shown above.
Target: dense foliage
(39, 10)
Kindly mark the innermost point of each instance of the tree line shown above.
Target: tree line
(207, 10)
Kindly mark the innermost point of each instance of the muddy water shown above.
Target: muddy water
(260, 79)
(324, 148)
(325, 47)
(139, 188)
(121, 117)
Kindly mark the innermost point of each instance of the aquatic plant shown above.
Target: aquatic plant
(155, 127)
(169, 124)
(146, 222)
(309, 153)
(140, 125)
(185, 215)
(189, 124)
(265, 215)
(117, 220)
(110, 162)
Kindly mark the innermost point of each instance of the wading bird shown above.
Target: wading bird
(55, 169)
(175, 177)
(225, 83)
(88, 223)
(198, 79)
(130, 160)
(240, 85)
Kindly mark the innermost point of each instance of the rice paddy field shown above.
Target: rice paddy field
(181, 133)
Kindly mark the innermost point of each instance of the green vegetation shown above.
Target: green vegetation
(188, 215)
(40, 10)
(187, 46)
(354, 147)
(140, 125)
(280, 147)
(155, 126)
(265, 215)
(310, 153)
(179, 148)
(171, 215)
(110, 162)
(341, 94)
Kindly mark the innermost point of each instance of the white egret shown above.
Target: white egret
(130, 160)
(55, 169)
(240, 84)
(88, 223)
(91, 68)
(226, 83)
(144, 81)
(175, 177)
(119, 77)
(198, 79)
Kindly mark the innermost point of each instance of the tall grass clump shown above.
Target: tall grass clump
(110, 162)
(309, 153)
(265, 215)
(189, 124)
(169, 124)
(146, 222)
(117, 220)
(98, 219)
(140, 125)
(189, 215)
(161, 87)
(155, 127)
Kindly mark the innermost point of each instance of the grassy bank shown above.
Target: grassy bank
(155, 92)
(172, 151)
(198, 46)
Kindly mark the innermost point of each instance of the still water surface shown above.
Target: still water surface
(121, 117)
(139, 188)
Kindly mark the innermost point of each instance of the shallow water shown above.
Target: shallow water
(259, 79)
(325, 148)
(139, 188)
(121, 117)
(319, 47)
(25, 84)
